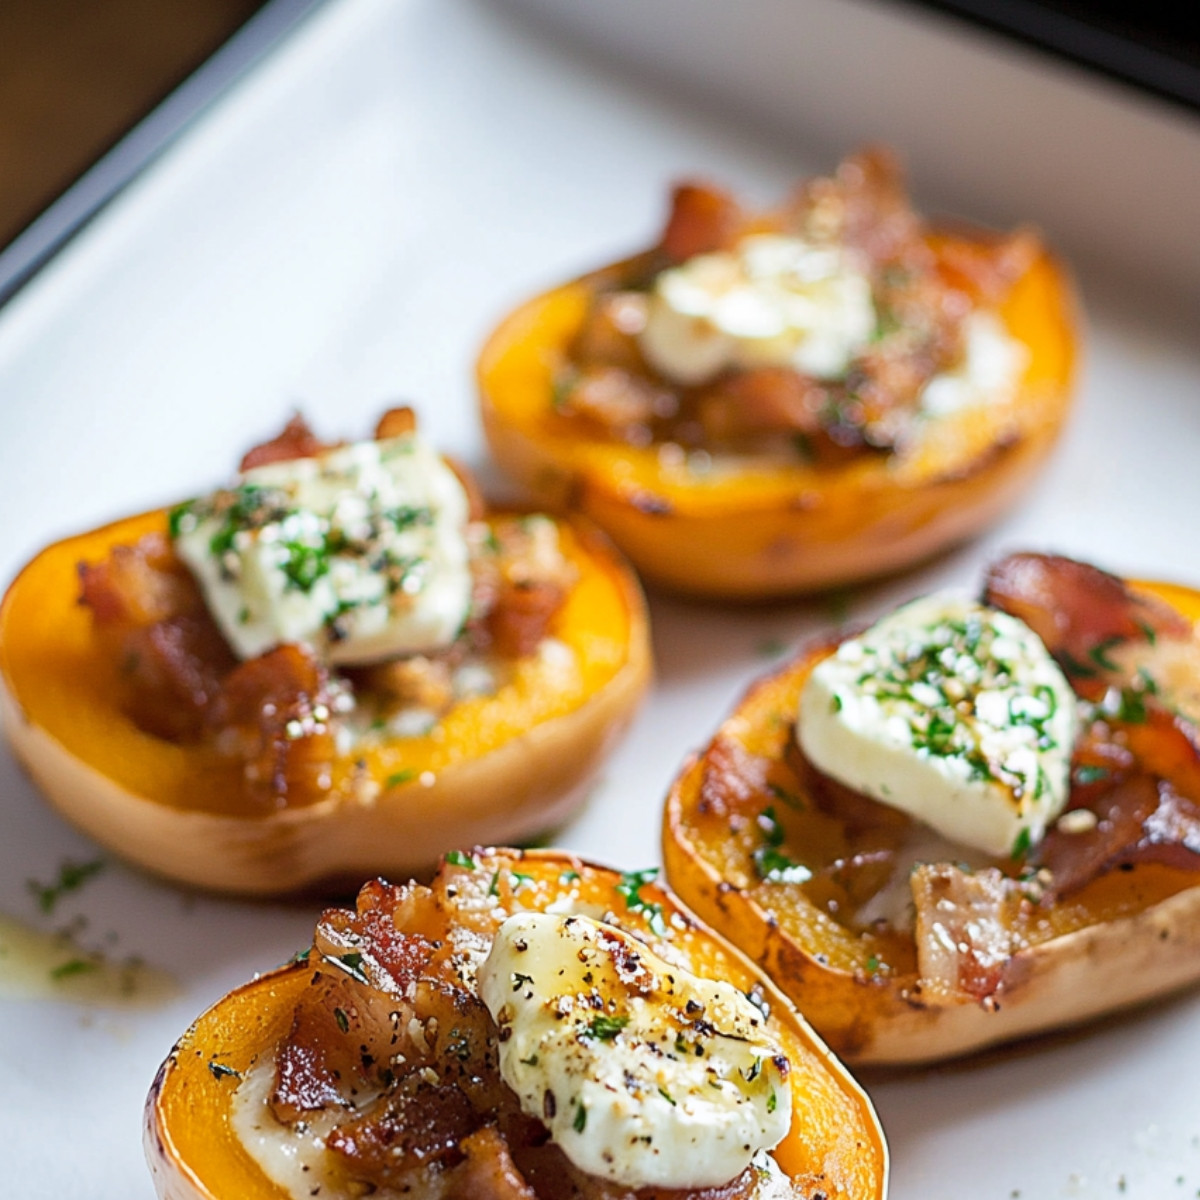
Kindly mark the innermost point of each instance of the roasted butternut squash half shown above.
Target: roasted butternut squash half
(527, 1027)
(771, 404)
(945, 833)
(257, 694)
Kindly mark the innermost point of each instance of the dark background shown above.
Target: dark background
(77, 74)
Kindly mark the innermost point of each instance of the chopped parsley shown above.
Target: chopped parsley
(1087, 773)
(1022, 844)
(459, 858)
(396, 778)
(73, 966)
(662, 1091)
(71, 877)
(630, 887)
(352, 964)
(604, 1028)
(580, 1122)
(343, 1021)
(772, 865)
(1099, 653)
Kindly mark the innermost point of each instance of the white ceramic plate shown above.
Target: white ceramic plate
(342, 229)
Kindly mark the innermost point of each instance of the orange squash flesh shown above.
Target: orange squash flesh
(754, 530)
(1122, 939)
(835, 1145)
(505, 766)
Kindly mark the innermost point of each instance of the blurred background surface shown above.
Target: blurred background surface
(77, 74)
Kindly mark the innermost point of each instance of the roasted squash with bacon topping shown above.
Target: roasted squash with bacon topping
(903, 947)
(770, 404)
(289, 762)
(373, 1066)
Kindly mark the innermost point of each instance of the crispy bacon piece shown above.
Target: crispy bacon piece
(273, 714)
(966, 928)
(396, 422)
(172, 658)
(761, 401)
(415, 1125)
(1140, 819)
(518, 623)
(702, 219)
(296, 440)
(1081, 613)
(488, 1171)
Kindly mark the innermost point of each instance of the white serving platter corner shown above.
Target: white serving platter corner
(341, 230)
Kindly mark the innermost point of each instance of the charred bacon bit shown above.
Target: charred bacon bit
(518, 624)
(986, 270)
(702, 219)
(396, 422)
(967, 928)
(1140, 819)
(273, 714)
(766, 400)
(296, 440)
(617, 401)
(172, 672)
(488, 1171)
(416, 1125)
(393, 931)
(171, 657)
(314, 1065)
(1082, 613)
(139, 585)
(520, 586)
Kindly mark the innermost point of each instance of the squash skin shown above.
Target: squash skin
(509, 767)
(766, 531)
(1130, 942)
(194, 1155)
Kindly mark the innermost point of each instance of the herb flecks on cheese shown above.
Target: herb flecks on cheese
(359, 552)
(952, 712)
(644, 1074)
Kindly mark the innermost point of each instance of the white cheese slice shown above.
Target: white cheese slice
(772, 301)
(952, 712)
(644, 1074)
(360, 552)
(992, 365)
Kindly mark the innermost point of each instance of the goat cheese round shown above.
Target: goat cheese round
(644, 1074)
(773, 300)
(952, 712)
(359, 552)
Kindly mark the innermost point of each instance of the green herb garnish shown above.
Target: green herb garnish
(71, 877)
(630, 889)
(604, 1028)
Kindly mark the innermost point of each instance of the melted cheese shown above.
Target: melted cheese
(360, 553)
(644, 1074)
(952, 712)
(772, 301)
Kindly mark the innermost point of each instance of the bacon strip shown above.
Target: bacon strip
(1080, 612)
